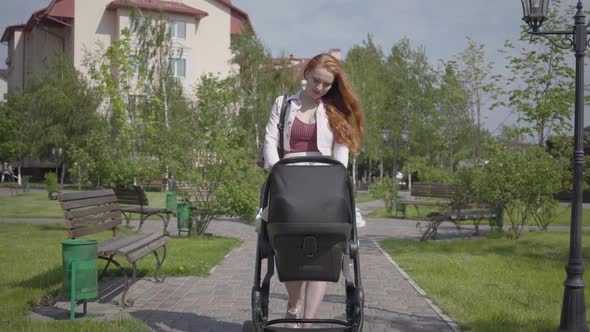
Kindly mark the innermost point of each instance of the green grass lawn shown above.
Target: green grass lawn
(563, 215)
(494, 283)
(37, 205)
(30, 256)
(363, 197)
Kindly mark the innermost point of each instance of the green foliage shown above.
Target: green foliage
(475, 74)
(427, 173)
(56, 110)
(260, 80)
(456, 123)
(11, 122)
(465, 182)
(521, 182)
(540, 86)
(51, 181)
(383, 189)
(240, 192)
(215, 162)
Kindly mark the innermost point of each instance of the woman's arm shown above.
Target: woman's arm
(341, 153)
(271, 137)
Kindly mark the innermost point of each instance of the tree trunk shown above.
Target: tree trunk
(63, 171)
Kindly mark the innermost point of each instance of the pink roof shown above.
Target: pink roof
(62, 8)
(57, 8)
(160, 6)
(4, 72)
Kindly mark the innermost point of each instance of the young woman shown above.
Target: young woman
(325, 118)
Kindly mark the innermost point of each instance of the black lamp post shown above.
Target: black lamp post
(56, 156)
(573, 310)
(405, 135)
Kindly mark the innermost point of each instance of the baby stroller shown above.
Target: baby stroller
(311, 235)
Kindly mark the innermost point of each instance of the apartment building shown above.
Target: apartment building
(200, 31)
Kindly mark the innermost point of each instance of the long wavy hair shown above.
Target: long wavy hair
(345, 114)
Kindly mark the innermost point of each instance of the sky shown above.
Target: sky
(305, 28)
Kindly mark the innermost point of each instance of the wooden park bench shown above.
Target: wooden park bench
(91, 212)
(430, 190)
(435, 219)
(132, 199)
(155, 184)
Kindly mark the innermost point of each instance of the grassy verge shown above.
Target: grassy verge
(494, 283)
(30, 255)
(563, 215)
(363, 197)
(37, 205)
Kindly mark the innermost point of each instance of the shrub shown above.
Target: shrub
(51, 182)
(383, 189)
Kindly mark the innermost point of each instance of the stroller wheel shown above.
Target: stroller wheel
(248, 326)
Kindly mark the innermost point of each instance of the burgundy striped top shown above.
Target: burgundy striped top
(304, 137)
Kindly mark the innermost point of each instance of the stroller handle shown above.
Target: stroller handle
(309, 159)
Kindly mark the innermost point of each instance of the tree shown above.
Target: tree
(143, 100)
(540, 88)
(475, 73)
(261, 80)
(60, 111)
(366, 69)
(522, 182)
(216, 164)
(454, 113)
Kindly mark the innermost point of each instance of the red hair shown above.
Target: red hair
(345, 114)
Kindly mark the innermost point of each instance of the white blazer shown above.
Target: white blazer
(325, 138)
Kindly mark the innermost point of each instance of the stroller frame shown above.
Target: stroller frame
(350, 270)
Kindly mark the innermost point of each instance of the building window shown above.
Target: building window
(178, 67)
(178, 29)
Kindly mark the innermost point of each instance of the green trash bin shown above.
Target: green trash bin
(183, 219)
(171, 202)
(80, 275)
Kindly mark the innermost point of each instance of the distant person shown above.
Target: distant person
(325, 118)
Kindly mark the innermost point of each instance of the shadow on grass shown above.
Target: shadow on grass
(47, 279)
(52, 227)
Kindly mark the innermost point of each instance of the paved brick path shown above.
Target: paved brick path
(221, 301)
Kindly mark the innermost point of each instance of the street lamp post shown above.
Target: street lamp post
(535, 12)
(56, 156)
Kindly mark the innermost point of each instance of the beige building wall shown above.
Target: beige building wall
(15, 64)
(212, 40)
(94, 26)
(3, 87)
(43, 44)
